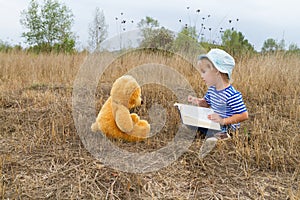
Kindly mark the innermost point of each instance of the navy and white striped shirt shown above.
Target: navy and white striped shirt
(226, 102)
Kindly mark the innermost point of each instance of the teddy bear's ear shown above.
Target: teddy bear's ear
(123, 118)
(135, 99)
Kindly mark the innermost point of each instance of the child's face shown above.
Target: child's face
(208, 73)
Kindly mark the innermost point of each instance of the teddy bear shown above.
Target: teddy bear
(115, 120)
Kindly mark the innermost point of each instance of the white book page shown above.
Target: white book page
(197, 116)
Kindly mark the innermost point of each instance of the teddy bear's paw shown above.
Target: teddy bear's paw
(143, 123)
(135, 118)
(141, 128)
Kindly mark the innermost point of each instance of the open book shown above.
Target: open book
(196, 116)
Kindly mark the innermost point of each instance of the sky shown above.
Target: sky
(257, 20)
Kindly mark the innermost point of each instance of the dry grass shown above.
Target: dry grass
(42, 156)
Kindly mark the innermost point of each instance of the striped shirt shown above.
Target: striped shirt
(226, 102)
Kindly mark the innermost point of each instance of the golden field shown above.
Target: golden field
(42, 156)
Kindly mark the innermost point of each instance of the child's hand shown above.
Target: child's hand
(216, 118)
(202, 103)
(197, 101)
(193, 100)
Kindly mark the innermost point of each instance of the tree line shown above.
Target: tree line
(47, 28)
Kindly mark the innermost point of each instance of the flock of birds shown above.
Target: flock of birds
(122, 22)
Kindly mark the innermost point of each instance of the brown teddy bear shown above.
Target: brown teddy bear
(114, 119)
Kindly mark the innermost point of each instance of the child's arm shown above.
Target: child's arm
(229, 120)
(197, 101)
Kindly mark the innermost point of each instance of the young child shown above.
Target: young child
(227, 103)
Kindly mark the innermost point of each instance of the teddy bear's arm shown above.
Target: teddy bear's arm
(135, 118)
(123, 119)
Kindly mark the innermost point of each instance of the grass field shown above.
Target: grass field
(42, 156)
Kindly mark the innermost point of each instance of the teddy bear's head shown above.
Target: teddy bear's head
(126, 91)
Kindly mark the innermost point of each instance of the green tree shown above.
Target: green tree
(159, 38)
(97, 30)
(186, 42)
(5, 47)
(147, 25)
(153, 36)
(48, 26)
(270, 46)
(235, 42)
(190, 31)
(281, 45)
(293, 48)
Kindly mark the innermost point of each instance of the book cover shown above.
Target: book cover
(196, 116)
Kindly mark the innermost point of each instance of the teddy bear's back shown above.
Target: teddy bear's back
(105, 119)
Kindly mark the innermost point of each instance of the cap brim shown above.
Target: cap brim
(215, 65)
